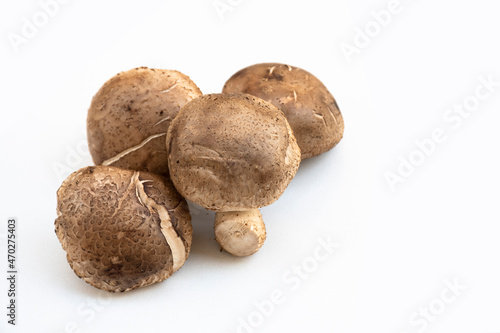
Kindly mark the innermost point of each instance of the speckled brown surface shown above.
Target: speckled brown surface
(129, 117)
(309, 107)
(230, 152)
(114, 241)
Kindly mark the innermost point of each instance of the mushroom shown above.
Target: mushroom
(122, 229)
(307, 104)
(129, 116)
(232, 153)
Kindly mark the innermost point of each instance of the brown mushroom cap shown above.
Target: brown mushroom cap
(231, 152)
(129, 116)
(307, 104)
(122, 229)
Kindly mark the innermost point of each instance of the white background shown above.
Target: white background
(396, 248)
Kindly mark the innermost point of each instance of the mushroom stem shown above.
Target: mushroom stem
(240, 233)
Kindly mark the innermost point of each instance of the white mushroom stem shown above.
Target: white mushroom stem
(240, 233)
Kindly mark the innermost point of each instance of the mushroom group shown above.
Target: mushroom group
(157, 141)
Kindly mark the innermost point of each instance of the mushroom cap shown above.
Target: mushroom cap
(129, 117)
(231, 152)
(309, 107)
(122, 229)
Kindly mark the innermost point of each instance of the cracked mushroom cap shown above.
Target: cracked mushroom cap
(129, 117)
(309, 107)
(122, 229)
(231, 152)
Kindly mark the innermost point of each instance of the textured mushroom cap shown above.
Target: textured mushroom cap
(122, 229)
(309, 107)
(129, 116)
(231, 152)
